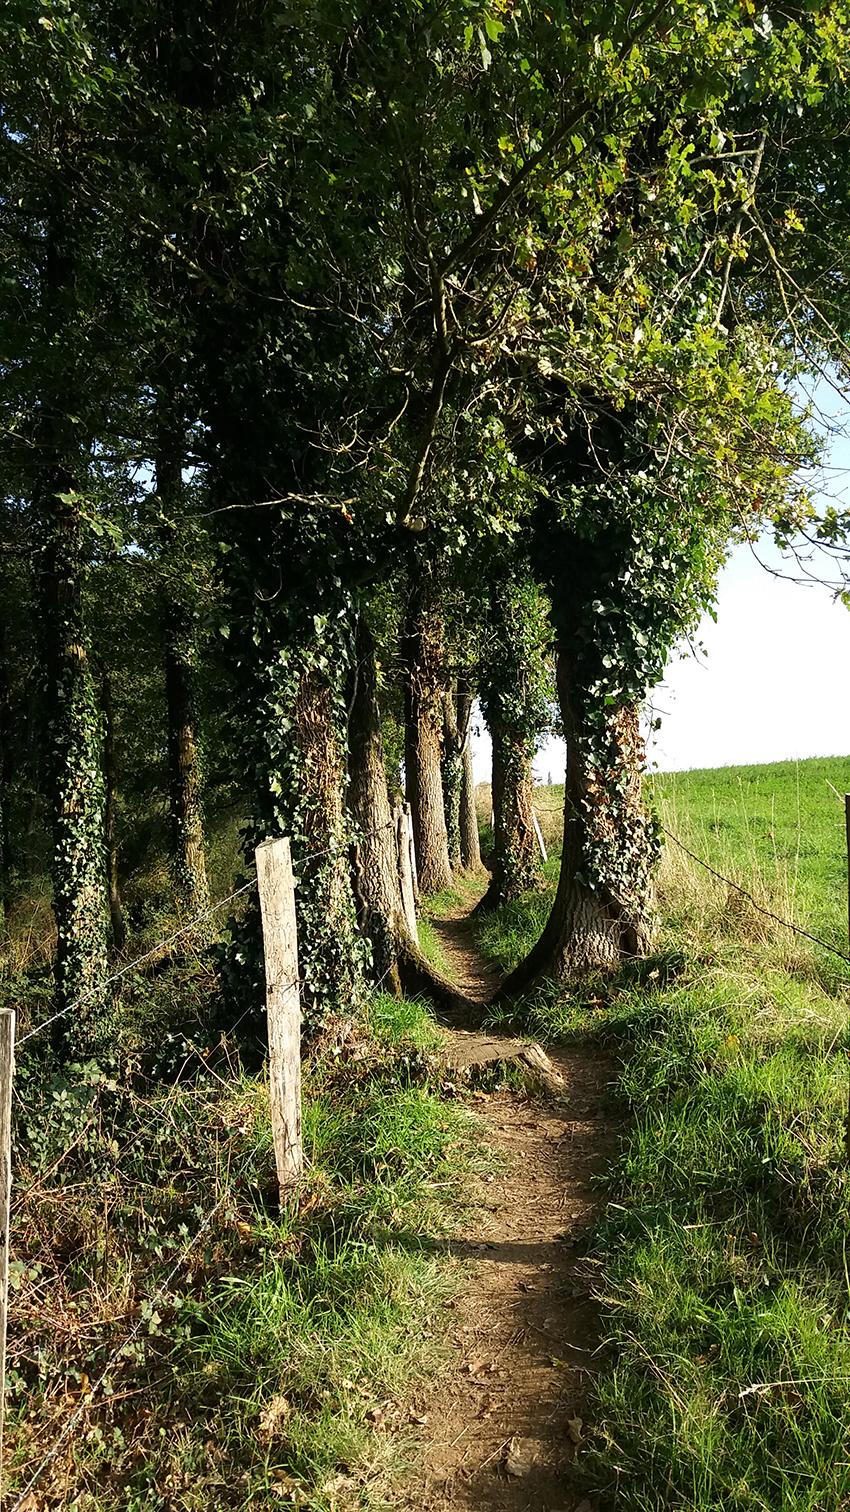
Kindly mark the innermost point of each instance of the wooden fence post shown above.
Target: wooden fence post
(7, 1072)
(283, 1006)
(847, 838)
(405, 871)
(412, 851)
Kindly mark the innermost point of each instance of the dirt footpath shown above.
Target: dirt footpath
(505, 1424)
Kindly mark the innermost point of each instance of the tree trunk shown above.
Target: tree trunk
(73, 715)
(76, 780)
(516, 864)
(188, 853)
(379, 899)
(187, 824)
(423, 745)
(398, 963)
(596, 922)
(470, 845)
(5, 781)
(331, 963)
(116, 911)
(452, 772)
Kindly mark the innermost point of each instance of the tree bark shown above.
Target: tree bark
(380, 905)
(397, 960)
(5, 780)
(452, 772)
(187, 824)
(327, 926)
(594, 924)
(423, 743)
(110, 777)
(470, 845)
(74, 718)
(516, 865)
(188, 851)
(76, 780)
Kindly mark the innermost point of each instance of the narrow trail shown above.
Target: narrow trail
(505, 1424)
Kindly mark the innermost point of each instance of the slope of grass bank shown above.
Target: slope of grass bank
(721, 1265)
(205, 1349)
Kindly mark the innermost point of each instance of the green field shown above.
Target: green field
(780, 826)
(721, 1262)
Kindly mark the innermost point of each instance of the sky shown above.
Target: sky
(774, 680)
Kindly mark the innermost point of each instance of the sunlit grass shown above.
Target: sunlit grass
(721, 1261)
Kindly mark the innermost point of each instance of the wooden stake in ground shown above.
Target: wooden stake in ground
(283, 1007)
(412, 851)
(7, 1071)
(405, 870)
(847, 837)
(539, 833)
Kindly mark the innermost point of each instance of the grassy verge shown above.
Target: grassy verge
(721, 1261)
(241, 1357)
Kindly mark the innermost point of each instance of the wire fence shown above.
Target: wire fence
(759, 907)
(178, 934)
(91, 1393)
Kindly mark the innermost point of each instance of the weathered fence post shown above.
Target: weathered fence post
(539, 833)
(283, 1006)
(7, 1071)
(847, 839)
(411, 843)
(405, 871)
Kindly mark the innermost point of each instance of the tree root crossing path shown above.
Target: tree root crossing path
(505, 1424)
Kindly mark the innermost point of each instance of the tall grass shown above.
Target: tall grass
(721, 1262)
(278, 1361)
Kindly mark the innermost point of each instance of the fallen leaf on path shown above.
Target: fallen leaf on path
(479, 1366)
(575, 1430)
(521, 1457)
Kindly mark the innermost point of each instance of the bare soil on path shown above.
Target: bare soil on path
(506, 1422)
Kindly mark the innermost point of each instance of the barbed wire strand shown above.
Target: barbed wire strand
(131, 965)
(158, 1295)
(759, 907)
(177, 935)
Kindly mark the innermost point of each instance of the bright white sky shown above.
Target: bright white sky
(774, 681)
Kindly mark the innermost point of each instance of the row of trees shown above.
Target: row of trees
(403, 350)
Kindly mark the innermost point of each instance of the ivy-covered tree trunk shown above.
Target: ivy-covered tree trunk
(603, 908)
(378, 884)
(299, 739)
(516, 863)
(5, 779)
(187, 825)
(514, 704)
(110, 777)
(188, 851)
(423, 743)
(452, 767)
(77, 796)
(397, 961)
(470, 844)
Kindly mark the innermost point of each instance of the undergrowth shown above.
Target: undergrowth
(221, 1353)
(720, 1262)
